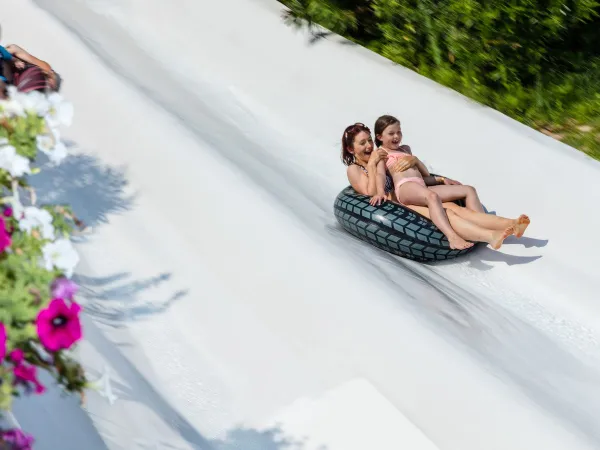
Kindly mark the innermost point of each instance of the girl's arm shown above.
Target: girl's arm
(378, 197)
(368, 185)
(379, 188)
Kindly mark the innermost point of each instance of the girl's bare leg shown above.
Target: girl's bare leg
(414, 194)
(457, 192)
(469, 230)
(490, 221)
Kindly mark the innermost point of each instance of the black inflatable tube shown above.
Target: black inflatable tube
(393, 228)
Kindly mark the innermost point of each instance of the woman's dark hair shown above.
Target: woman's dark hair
(381, 124)
(348, 137)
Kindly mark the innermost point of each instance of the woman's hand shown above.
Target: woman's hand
(450, 181)
(377, 156)
(404, 164)
(377, 200)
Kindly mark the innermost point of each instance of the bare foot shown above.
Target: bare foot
(459, 243)
(499, 236)
(521, 225)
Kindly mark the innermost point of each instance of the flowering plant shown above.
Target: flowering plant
(39, 317)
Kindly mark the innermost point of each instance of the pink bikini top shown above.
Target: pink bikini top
(394, 157)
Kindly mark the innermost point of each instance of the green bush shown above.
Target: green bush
(537, 61)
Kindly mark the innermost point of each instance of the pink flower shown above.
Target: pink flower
(17, 356)
(25, 373)
(5, 240)
(8, 211)
(58, 325)
(17, 439)
(2, 341)
(64, 288)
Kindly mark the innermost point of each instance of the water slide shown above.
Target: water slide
(226, 309)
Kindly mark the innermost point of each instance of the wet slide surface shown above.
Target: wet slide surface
(221, 294)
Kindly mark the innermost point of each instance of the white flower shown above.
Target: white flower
(61, 255)
(58, 153)
(45, 143)
(61, 111)
(15, 164)
(11, 108)
(34, 102)
(52, 146)
(17, 207)
(19, 103)
(37, 218)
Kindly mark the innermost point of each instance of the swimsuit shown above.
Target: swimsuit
(392, 159)
(389, 182)
(6, 56)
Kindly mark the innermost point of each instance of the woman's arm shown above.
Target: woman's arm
(422, 168)
(433, 180)
(364, 184)
(358, 180)
(430, 179)
(368, 185)
(23, 55)
(416, 162)
(436, 180)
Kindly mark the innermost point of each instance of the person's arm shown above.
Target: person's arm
(376, 184)
(422, 169)
(380, 178)
(433, 180)
(358, 180)
(378, 196)
(436, 180)
(417, 162)
(364, 184)
(23, 55)
(372, 186)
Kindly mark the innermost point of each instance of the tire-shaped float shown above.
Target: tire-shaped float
(393, 228)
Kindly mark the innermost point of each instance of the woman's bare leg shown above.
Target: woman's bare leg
(458, 192)
(489, 220)
(411, 193)
(471, 231)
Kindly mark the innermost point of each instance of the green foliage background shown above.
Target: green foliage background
(538, 61)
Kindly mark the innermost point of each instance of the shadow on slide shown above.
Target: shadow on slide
(549, 374)
(92, 189)
(96, 191)
(134, 387)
